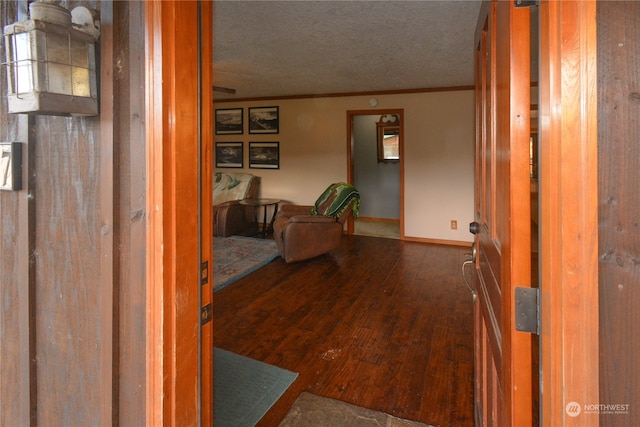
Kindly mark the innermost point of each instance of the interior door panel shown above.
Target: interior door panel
(503, 380)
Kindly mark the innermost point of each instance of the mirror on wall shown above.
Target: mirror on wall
(388, 131)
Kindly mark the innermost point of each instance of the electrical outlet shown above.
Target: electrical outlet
(454, 224)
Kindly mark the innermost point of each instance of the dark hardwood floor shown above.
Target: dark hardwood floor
(379, 323)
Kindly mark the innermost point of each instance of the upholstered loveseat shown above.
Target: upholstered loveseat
(229, 216)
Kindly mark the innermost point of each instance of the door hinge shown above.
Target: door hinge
(206, 314)
(528, 310)
(526, 3)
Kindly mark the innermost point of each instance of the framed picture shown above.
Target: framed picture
(264, 155)
(229, 121)
(264, 120)
(229, 155)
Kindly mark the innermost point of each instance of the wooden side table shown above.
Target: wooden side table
(264, 203)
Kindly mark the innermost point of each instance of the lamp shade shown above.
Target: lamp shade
(51, 68)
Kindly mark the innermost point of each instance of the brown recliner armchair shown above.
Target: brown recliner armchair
(303, 232)
(229, 216)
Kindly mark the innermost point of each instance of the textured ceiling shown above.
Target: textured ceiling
(286, 48)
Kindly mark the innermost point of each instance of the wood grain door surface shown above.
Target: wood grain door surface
(503, 372)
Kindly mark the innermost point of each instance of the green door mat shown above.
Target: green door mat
(245, 389)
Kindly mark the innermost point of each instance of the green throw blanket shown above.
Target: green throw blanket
(335, 201)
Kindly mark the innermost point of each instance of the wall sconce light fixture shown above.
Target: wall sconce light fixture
(51, 62)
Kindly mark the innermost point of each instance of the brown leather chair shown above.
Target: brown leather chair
(303, 232)
(229, 216)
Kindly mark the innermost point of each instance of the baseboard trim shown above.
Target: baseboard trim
(438, 241)
(418, 239)
(390, 220)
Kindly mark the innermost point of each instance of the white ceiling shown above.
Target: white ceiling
(305, 47)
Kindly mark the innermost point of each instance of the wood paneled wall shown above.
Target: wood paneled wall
(619, 208)
(72, 278)
(130, 199)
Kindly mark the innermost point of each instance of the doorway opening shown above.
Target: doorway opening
(375, 159)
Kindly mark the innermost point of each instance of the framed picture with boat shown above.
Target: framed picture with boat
(264, 120)
(264, 155)
(229, 155)
(229, 121)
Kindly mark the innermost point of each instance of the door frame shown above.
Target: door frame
(568, 211)
(179, 213)
(350, 160)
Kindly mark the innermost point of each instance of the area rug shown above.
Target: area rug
(245, 389)
(311, 410)
(236, 256)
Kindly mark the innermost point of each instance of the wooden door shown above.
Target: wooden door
(503, 371)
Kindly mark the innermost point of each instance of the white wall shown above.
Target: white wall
(438, 165)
